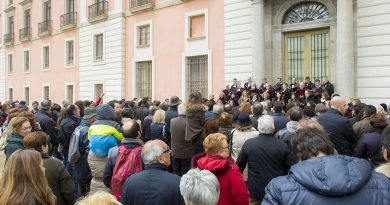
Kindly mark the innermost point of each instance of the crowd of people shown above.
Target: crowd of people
(281, 144)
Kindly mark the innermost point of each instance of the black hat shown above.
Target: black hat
(244, 120)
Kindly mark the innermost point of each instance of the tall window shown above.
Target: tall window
(27, 94)
(26, 57)
(47, 11)
(27, 18)
(46, 92)
(69, 52)
(69, 93)
(197, 75)
(197, 24)
(10, 63)
(144, 35)
(11, 24)
(70, 6)
(46, 57)
(98, 90)
(98, 47)
(11, 94)
(144, 79)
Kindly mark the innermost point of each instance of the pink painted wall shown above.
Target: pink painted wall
(168, 45)
(58, 75)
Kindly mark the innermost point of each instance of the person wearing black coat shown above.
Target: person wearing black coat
(322, 179)
(338, 127)
(267, 158)
(154, 185)
(47, 124)
(280, 120)
(170, 114)
(143, 110)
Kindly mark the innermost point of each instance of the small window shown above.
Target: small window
(144, 79)
(11, 24)
(10, 63)
(98, 48)
(11, 94)
(47, 11)
(69, 52)
(144, 35)
(27, 94)
(46, 92)
(26, 64)
(27, 18)
(69, 93)
(197, 24)
(46, 57)
(98, 91)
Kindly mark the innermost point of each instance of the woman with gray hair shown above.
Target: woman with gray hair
(199, 187)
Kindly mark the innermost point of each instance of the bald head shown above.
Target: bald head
(131, 129)
(153, 149)
(338, 103)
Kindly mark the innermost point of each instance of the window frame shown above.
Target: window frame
(43, 91)
(141, 34)
(73, 91)
(10, 88)
(24, 60)
(150, 89)
(24, 94)
(46, 68)
(66, 57)
(95, 46)
(10, 65)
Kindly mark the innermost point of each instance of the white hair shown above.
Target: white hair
(199, 187)
(217, 109)
(266, 124)
(181, 109)
(150, 153)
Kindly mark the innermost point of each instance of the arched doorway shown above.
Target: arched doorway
(306, 51)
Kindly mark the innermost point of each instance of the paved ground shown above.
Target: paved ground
(2, 161)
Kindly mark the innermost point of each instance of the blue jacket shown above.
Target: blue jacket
(339, 130)
(105, 132)
(82, 169)
(335, 180)
(47, 126)
(153, 186)
(369, 147)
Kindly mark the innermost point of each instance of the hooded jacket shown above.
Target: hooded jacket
(233, 190)
(329, 180)
(287, 133)
(105, 132)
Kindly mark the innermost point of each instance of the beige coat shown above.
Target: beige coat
(97, 165)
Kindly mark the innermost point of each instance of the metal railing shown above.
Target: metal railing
(9, 38)
(97, 10)
(137, 3)
(44, 27)
(69, 19)
(25, 33)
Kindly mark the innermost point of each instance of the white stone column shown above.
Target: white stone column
(345, 67)
(83, 11)
(258, 41)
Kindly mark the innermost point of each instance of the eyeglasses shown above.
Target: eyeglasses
(167, 150)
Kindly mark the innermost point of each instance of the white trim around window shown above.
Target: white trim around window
(103, 59)
(43, 57)
(8, 95)
(8, 63)
(73, 91)
(29, 93)
(29, 60)
(43, 91)
(66, 65)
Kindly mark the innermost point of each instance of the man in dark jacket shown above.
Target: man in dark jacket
(295, 114)
(143, 110)
(67, 127)
(48, 126)
(257, 113)
(181, 149)
(321, 178)
(82, 170)
(170, 114)
(154, 185)
(267, 157)
(131, 139)
(280, 119)
(338, 127)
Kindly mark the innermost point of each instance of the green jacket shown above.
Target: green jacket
(14, 142)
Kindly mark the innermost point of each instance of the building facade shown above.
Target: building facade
(69, 49)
